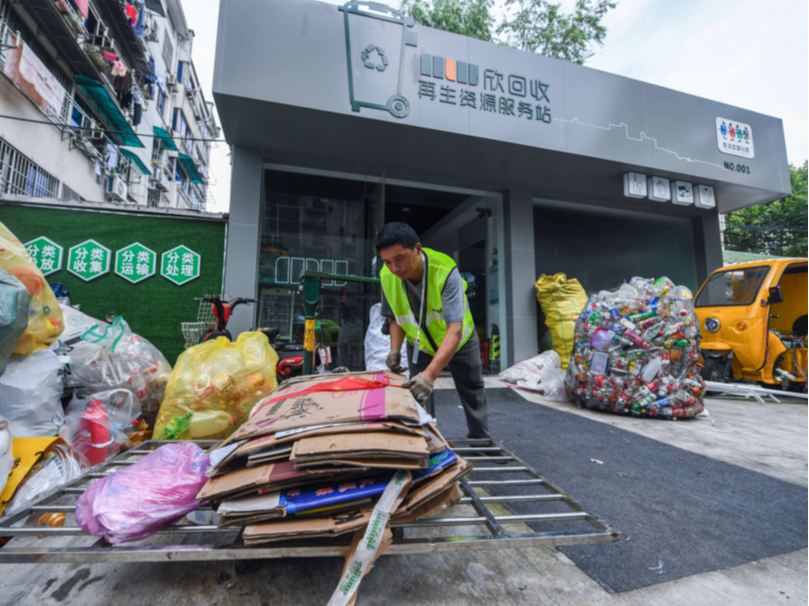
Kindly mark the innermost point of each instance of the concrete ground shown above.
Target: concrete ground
(768, 438)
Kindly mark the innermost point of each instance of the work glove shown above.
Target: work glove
(394, 361)
(420, 387)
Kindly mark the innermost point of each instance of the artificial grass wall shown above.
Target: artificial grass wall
(155, 307)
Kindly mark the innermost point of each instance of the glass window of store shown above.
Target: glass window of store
(317, 223)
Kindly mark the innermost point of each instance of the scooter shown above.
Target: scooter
(222, 310)
(290, 355)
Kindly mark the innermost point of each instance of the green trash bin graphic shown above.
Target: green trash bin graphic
(375, 71)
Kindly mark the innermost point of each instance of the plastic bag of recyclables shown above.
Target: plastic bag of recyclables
(14, 300)
(637, 350)
(45, 322)
(115, 357)
(134, 503)
(30, 393)
(6, 453)
(97, 424)
(542, 374)
(214, 386)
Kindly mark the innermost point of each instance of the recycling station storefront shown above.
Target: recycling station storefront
(343, 118)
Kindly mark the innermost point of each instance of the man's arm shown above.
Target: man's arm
(445, 351)
(397, 335)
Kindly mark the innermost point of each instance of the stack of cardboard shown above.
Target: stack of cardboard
(317, 453)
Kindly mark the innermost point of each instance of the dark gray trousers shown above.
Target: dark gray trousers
(467, 372)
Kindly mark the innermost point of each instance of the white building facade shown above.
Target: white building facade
(100, 101)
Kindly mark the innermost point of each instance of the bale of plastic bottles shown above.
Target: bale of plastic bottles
(637, 350)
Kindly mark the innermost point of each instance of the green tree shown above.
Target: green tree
(540, 27)
(777, 228)
(466, 17)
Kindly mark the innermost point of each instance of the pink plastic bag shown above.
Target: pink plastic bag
(136, 502)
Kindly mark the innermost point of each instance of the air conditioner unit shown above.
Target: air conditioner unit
(154, 31)
(171, 81)
(159, 180)
(116, 189)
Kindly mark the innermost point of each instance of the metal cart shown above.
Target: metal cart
(378, 73)
(555, 518)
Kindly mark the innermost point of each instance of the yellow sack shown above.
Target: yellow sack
(562, 301)
(214, 386)
(45, 322)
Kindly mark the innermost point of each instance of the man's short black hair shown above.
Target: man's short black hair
(396, 233)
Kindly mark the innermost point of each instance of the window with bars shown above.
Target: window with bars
(69, 194)
(168, 51)
(21, 176)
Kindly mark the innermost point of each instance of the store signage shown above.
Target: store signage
(704, 196)
(659, 189)
(89, 260)
(635, 185)
(441, 79)
(46, 253)
(735, 138)
(135, 263)
(682, 193)
(180, 265)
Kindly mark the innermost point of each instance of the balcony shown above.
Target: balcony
(112, 12)
(64, 28)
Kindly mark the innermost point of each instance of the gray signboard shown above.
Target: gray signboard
(367, 61)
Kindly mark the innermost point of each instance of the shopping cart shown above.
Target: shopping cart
(373, 74)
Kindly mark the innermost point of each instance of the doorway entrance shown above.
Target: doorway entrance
(328, 222)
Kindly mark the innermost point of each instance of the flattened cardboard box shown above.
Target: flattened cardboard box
(360, 445)
(428, 489)
(272, 441)
(443, 500)
(332, 525)
(297, 409)
(274, 475)
(308, 527)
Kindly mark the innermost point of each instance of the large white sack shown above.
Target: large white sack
(531, 370)
(377, 345)
(30, 392)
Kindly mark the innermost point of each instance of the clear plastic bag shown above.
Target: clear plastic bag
(134, 503)
(6, 453)
(637, 350)
(59, 465)
(114, 357)
(214, 386)
(97, 424)
(45, 322)
(30, 391)
(552, 385)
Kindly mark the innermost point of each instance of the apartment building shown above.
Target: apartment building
(100, 101)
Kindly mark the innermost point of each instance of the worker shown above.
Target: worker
(423, 295)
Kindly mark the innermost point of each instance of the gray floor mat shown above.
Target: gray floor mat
(682, 512)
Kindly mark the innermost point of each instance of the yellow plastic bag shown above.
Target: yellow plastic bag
(45, 322)
(562, 300)
(214, 386)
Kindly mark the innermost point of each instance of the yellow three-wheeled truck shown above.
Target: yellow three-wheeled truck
(753, 319)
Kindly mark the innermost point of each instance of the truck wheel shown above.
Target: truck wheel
(714, 370)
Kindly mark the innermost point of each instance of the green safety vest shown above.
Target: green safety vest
(437, 270)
